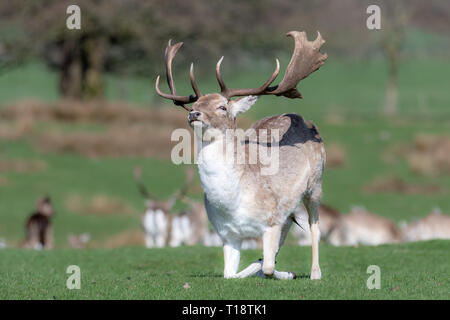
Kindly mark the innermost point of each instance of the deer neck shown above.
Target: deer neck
(219, 177)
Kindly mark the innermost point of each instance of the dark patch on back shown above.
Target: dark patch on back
(313, 129)
(298, 131)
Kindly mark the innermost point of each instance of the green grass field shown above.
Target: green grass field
(412, 271)
(344, 99)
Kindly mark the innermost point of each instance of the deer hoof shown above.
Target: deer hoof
(316, 274)
(268, 271)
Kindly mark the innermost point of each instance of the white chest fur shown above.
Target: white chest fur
(228, 210)
(219, 178)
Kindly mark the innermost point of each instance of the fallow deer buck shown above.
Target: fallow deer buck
(240, 200)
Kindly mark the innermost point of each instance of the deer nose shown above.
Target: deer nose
(193, 115)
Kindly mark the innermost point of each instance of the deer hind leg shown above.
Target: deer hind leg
(271, 243)
(276, 237)
(252, 269)
(273, 238)
(256, 269)
(312, 206)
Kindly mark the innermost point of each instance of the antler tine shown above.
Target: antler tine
(182, 192)
(171, 51)
(193, 83)
(228, 93)
(223, 87)
(141, 186)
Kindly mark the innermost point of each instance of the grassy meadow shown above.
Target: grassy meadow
(344, 99)
(138, 273)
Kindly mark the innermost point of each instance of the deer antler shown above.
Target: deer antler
(170, 53)
(141, 186)
(305, 59)
(181, 193)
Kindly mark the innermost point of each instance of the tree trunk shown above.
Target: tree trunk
(391, 99)
(392, 49)
(71, 76)
(82, 67)
(94, 51)
(396, 23)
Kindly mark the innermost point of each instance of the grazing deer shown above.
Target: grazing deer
(362, 227)
(38, 227)
(78, 241)
(162, 228)
(240, 200)
(434, 226)
(189, 227)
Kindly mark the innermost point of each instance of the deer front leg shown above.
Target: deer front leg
(271, 242)
(232, 255)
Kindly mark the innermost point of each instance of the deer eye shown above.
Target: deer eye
(223, 108)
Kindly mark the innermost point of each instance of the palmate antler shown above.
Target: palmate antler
(305, 59)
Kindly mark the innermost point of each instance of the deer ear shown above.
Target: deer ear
(242, 105)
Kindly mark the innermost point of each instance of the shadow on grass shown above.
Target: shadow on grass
(299, 276)
(206, 276)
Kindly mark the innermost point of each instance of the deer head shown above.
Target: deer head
(44, 206)
(218, 110)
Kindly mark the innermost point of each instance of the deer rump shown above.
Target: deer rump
(300, 150)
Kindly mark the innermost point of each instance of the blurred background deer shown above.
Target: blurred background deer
(434, 226)
(161, 227)
(164, 226)
(38, 227)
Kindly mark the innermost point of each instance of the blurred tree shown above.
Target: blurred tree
(113, 34)
(127, 37)
(81, 55)
(396, 16)
(14, 44)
